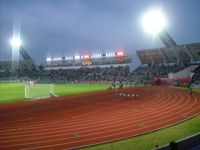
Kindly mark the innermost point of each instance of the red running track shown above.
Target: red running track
(74, 121)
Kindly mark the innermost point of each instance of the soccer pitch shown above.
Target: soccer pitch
(10, 92)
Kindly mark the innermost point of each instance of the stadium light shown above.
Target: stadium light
(57, 59)
(16, 42)
(93, 56)
(48, 59)
(110, 54)
(107, 54)
(68, 58)
(120, 53)
(86, 56)
(77, 57)
(154, 21)
(96, 56)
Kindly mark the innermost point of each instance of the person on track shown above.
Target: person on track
(121, 85)
(190, 89)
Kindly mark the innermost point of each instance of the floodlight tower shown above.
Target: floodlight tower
(15, 43)
(17, 47)
(154, 22)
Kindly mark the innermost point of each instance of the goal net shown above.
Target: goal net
(39, 90)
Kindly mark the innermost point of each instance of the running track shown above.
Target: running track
(74, 121)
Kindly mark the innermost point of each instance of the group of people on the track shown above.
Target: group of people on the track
(117, 84)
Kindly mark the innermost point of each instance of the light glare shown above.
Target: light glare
(154, 21)
(48, 59)
(16, 42)
(77, 57)
(121, 53)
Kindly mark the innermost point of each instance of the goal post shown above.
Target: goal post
(39, 90)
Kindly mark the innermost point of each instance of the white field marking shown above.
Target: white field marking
(116, 139)
(47, 121)
(145, 123)
(105, 102)
(58, 103)
(67, 120)
(101, 103)
(106, 135)
(63, 124)
(63, 131)
(16, 121)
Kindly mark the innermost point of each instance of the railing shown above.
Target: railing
(189, 143)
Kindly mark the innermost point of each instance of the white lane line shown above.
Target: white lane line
(91, 123)
(159, 117)
(96, 137)
(55, 122)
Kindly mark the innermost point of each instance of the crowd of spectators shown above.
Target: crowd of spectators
(159, 70)
(145, 73)
(196, 77)
(121, 73)
(80, 62)
(25, 72)
(86, 74)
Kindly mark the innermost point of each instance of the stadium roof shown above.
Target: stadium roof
(179, 54)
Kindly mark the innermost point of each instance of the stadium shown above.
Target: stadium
(96, 100)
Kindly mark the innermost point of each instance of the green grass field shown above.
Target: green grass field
(64, 89)
(10, 92)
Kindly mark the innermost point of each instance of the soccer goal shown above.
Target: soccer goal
(39, 90)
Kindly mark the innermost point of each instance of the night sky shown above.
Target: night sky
(67, 27)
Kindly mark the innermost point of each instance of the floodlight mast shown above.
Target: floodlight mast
(155, 22)
(16, 44)
(167, 39)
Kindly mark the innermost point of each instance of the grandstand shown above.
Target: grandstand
(120, 104)
(89, 67)
(196, 76)
(23, 69)
(161, 66)
(103, 60)
(182, 54)
(169, 63)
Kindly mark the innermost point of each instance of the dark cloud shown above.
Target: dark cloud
(66, 27)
